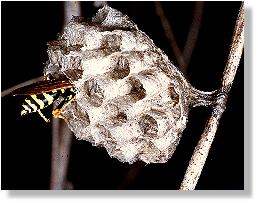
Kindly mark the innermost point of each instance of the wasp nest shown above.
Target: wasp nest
(130, 98)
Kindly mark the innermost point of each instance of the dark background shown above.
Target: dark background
(26, 141)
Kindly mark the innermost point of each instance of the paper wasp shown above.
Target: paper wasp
(41, 94)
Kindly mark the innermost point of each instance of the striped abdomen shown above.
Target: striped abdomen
(37, 102)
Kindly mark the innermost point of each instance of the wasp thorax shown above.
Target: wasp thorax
(130, 98)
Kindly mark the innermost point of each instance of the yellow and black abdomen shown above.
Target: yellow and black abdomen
(37, 102)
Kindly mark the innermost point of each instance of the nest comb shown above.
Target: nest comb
(130, 98)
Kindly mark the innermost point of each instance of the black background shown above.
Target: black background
(26, 141)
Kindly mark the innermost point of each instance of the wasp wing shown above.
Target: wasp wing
(42, 87)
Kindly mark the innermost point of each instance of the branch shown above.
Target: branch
(192, 34)
(169, 34)
(182, 59)
(61, 135)
(201, 151)
(61, 144)
(71, 8)
(132, 174)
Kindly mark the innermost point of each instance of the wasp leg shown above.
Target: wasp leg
(41, 114)
(57, 112)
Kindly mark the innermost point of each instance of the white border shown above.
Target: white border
(192, 196)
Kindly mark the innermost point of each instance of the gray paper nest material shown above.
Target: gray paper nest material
(130, 98)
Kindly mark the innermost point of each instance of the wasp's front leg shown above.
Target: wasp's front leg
(68, 99)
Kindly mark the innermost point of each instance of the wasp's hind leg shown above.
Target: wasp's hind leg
(42, 116)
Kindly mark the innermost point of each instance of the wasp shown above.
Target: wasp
(42, 94)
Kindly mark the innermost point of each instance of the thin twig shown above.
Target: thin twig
(65, 150)
(55, 182)
(182, 58)
(169, 34)
(99, 4)
(62, 136)
(71, 8)
(201, 151)
(131, 174)
(61, 144)
(235, 52)
(192, 34)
